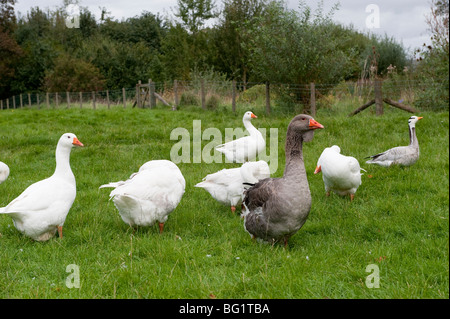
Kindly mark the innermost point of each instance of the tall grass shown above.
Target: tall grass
(398, 220)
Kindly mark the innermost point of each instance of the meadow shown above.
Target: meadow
(399, 220)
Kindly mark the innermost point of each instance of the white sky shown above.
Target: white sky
(402, 19)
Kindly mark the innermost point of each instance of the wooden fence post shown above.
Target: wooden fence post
(313, 99)
(138, 94)
(21, 101)
(151, 91)
(124, 98)
(47, 100)
(81, 100)
(93, 100)
(14, 101)
(1, 106)
(107, 98)
(7, 103)
(68, 99)
(29, 99)
(267, 97)
(378, 96)
(233, 96)
(175, 92)
(38, 101)
(202, 93)
(56, 99)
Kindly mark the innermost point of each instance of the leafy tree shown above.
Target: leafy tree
(147, 27)
(194, 13)
(37, 58)
(73, 75)
(388, 53)
(121, 65)
(10, 51)
(231, 33)
(176, 55)
(433, 62)
(296, 47)
(33, 27)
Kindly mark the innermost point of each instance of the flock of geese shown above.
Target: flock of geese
(273, 209)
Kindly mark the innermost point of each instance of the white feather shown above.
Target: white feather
(149, 195)
(341, 174)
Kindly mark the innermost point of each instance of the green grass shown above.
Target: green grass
(398, 220)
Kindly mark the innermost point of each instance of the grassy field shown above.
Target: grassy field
(398, 221)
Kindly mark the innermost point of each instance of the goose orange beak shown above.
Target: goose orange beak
(318, 169)
(313, 124)
(253, 116)
(77, 142)
(420, 117)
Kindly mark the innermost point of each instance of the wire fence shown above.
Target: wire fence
(228, 94)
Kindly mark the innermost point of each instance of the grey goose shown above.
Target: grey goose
(401, 155)
(274, 209)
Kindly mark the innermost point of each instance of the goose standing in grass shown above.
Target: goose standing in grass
(150, 194)
(227, 185)
(276, 208)
(42, 208)
(246, 148)
(341, 174)
(4, 172)
(401, 155)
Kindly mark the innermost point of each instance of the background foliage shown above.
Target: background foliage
(250, 41)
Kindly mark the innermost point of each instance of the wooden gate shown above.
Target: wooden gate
(146, 96)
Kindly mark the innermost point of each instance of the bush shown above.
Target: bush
(73, 75)
(212, 102)
(189, 98)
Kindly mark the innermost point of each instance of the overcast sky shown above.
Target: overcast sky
(402, 19)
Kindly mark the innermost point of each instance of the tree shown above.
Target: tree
(10, 51)
(177, 57)
(147, 27)
(296, 47)
(231, 33)
(194, 13)
(73, 75)
(433, 62)
(389, 53)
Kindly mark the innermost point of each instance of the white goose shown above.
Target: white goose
(227, 185)
(42, 208)
(150, 194)
(4, 172)
(341, 174)
(246, 148)
(402, 155)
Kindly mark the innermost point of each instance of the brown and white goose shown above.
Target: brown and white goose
(401, 155)
(276, 208)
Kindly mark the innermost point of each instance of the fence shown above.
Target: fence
(210, 94)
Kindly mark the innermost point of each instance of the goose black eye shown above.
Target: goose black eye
(68, 136)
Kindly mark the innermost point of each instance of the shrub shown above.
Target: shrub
(189, 98)
(212, 102)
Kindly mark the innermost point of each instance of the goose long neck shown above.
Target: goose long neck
(249, 126)
(412, 136)
(294, 155)
(63, 162)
